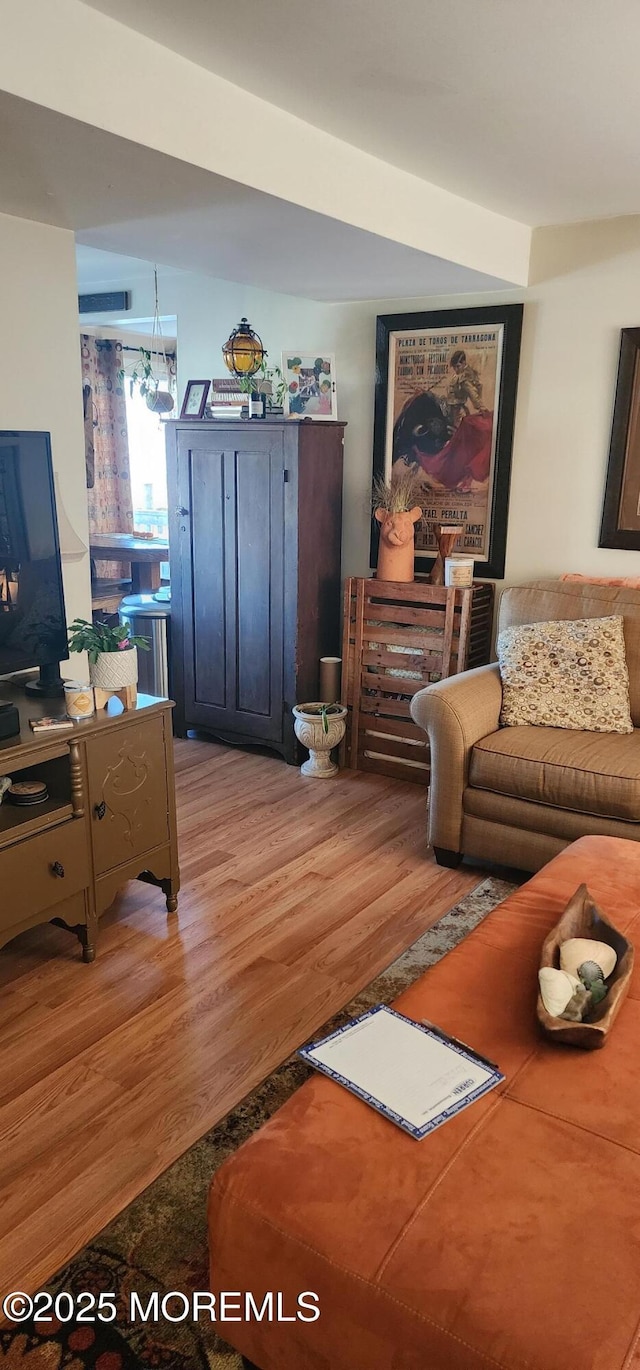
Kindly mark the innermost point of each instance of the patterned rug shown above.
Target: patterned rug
(159, 1241)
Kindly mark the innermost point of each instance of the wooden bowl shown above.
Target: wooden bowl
(583, 918)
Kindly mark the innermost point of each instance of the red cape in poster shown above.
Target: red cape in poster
(465, 460)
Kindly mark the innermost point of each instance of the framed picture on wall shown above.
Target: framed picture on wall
(445, 406)
(621, 509)
(310, 384)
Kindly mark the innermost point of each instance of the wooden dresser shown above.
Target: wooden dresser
(109, 818)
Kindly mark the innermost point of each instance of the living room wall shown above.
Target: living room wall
(40, 379)
(585, 288)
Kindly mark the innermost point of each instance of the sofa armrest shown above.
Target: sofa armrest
(455, 713)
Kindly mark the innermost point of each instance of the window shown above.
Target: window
(147, 462)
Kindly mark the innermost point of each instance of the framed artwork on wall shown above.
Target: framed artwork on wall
(310, 384)
(445, 402)
(621, 509)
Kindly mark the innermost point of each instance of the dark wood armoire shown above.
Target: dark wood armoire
(255, 513)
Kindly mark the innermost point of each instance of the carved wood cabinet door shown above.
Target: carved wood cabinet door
(128, 793)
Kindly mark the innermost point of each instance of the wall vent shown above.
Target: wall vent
(108, 302)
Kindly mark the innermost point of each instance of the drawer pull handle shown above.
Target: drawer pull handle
(100, 809)
(57, 869)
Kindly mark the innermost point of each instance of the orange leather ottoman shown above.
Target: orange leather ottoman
(510, 1237)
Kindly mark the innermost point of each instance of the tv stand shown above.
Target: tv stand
(109, 818)
(49, 684)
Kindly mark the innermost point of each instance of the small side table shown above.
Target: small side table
(145, 555)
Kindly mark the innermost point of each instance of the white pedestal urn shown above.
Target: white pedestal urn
(115, 670)
(320, 728)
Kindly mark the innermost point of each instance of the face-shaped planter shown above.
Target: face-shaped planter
(396, 550)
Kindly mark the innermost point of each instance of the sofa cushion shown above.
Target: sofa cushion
(541, 600)
(565, 675)
(597, 773)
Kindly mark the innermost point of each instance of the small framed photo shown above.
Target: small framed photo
(310, 385)
(195, 399)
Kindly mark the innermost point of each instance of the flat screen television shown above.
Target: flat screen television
(33, 629)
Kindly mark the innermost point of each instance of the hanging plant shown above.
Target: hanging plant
(143, 375)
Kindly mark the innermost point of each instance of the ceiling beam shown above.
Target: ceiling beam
(72, 59)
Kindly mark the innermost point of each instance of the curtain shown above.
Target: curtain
(106, 444)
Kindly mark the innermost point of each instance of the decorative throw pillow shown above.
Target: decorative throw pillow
(565, 675)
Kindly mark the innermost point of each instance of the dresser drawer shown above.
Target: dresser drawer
(42, 871)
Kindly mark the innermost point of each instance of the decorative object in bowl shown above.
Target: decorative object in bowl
(320, 727)
(583, 929)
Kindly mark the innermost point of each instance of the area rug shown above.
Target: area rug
(159, 1241)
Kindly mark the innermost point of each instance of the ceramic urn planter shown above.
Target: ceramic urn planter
(397, 538)
(311, 732)
(115, 670)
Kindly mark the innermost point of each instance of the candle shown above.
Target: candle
(78, 699)
(458, 571)
(330, 679)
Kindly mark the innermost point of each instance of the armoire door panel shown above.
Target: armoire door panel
(232, 581)
(254, 546)
(208, 576)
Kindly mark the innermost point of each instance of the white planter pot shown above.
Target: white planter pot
(114, 670)
(310, 732)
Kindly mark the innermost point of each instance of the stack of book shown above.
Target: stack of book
(227, 401)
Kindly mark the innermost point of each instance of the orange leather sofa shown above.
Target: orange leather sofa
(508, 1238)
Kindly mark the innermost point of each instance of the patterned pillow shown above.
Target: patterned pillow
(565, 675)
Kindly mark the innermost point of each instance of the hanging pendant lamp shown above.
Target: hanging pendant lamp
(243, 351)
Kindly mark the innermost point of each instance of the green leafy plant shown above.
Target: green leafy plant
(250, 385)
(94, 638)
(142, 375)
(322, 711)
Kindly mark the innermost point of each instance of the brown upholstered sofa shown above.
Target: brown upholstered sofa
(519, 795)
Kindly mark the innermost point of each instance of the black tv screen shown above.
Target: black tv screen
(32, 614)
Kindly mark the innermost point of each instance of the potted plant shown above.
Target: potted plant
(112, 652)
(320, 727)
(143, 375)
(396, 509)
(260, 385)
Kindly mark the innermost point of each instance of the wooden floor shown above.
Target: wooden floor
(295, 893)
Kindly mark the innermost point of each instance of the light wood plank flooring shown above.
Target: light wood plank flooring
(295, 893)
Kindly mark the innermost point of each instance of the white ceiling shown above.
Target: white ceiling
(123, 198)
(528, 107)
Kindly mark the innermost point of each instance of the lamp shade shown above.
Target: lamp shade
(243, 351)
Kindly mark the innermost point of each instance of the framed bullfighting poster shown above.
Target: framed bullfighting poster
(445, 407)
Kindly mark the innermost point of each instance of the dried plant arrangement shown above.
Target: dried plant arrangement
(398, 495)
